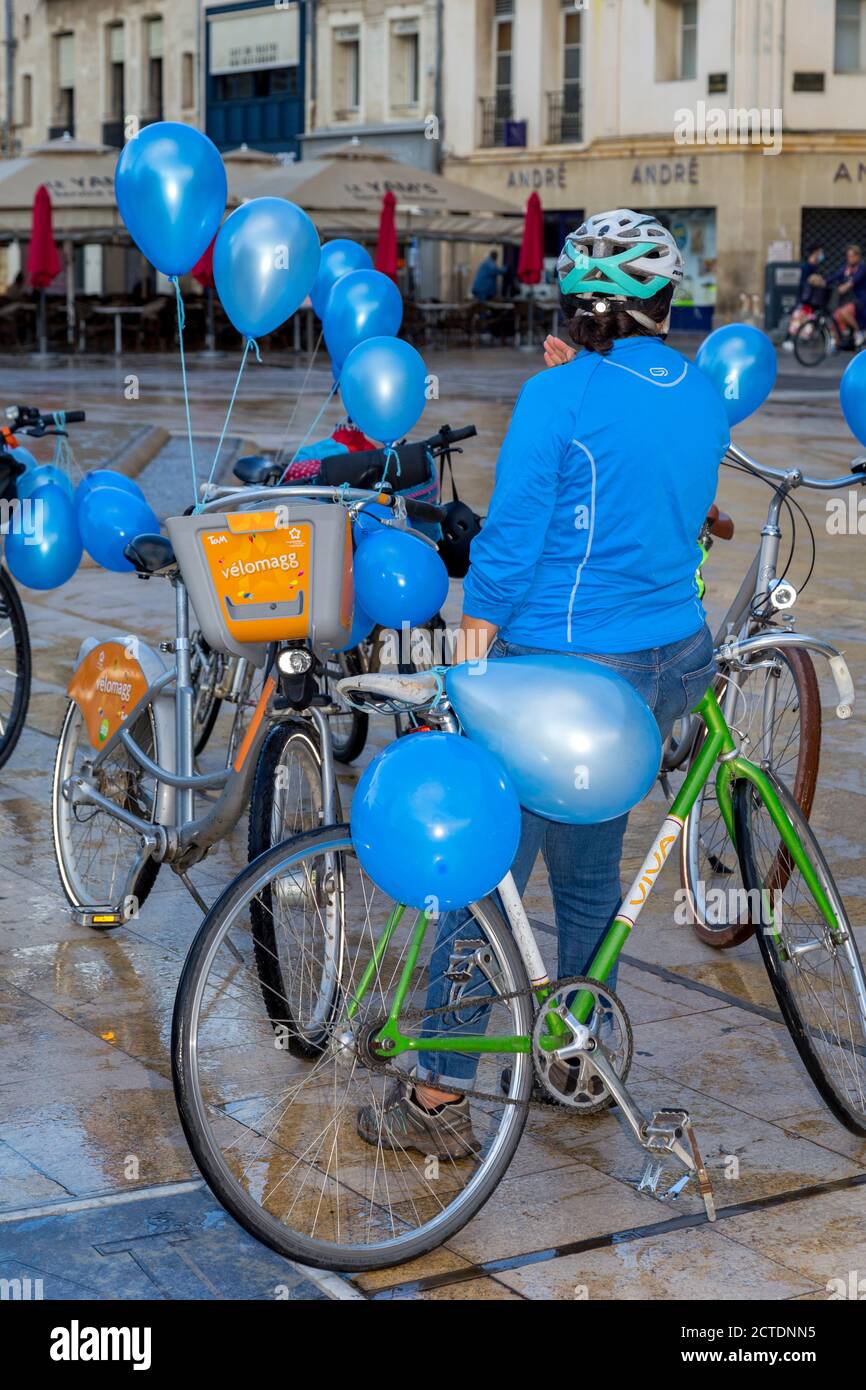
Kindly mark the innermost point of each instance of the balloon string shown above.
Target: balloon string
(250, 343)
(181, 321)
(325, 405)
(390, 452)
(283, 449)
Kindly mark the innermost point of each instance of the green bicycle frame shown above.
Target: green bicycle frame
(718, 745)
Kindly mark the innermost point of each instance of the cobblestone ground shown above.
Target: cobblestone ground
(98, 1195)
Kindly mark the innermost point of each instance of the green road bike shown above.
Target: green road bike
(280, 1038)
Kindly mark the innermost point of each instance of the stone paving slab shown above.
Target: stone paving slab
(85, 1017)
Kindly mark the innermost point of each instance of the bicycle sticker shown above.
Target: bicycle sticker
(106, 686)
(261, 576)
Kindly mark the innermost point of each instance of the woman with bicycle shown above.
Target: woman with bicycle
(603, 483)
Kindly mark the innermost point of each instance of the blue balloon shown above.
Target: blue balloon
(104, 477)
(24, 456)
(384, 388)
(338, 258)
(362, 626)
(741, 362)
(577, 741)
(852, 394)
(363, 304)
(264, 263)
(435, 821)
(368, 522)
(399, 578)
(109, 518)
(41, 475)
(170, 185)
(51, 553)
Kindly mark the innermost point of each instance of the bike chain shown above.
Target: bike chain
(469, 1092)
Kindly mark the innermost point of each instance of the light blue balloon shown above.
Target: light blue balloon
(170, 185)
(40, 476)
(740, 360)
(338, 258)
(435, 817)
(384, 388)
(852, 395)
(24, 456)
(265, 261)
(104, 477)
(399, 578)
(363, 304)
(577, 741)
(109, 518)
(52, 553)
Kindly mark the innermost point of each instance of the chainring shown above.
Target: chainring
(574, 1082)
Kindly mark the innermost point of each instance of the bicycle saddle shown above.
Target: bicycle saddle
(150, 554)
(382, 689)
(256, 470)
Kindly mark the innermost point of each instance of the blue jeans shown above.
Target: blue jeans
(582, 860)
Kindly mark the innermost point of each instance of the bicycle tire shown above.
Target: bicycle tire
(12, 611)
(812, 343)
(187, 1054)
(147, 876)
(780, 971)
(350, 743)
(724, 936)
(265, 823)
(204, 727)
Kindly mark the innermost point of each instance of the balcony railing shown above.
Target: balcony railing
(496, 112)
(565, 116)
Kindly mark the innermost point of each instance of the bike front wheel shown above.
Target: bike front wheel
(814, 967)
(778, 709)
(279, 1136)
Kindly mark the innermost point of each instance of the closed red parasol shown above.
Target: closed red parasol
(530, 267)
(43, 258)
(386, 246)
(203, 268)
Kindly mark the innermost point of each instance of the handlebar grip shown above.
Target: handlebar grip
(468, 432)
(67, 417)
(424, 511)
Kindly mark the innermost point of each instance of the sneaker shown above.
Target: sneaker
(402, 1124)
(859, 338)
(788, 345)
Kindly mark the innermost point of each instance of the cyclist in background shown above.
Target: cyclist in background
(590, 547)
(814, 294)
(850, 317)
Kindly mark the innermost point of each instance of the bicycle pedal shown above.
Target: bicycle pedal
(99, 916)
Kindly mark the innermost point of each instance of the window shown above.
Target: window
(116, 54)
(503, 39)
(347, 69)
(26, 99)
(187, 81)
(850, 37)
(571, 74)
(64, 99)
(153, 69)
(405, 63)
(689, 39)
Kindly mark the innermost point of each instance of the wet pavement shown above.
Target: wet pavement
(98, 1194)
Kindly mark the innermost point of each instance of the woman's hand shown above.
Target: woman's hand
(557, 353)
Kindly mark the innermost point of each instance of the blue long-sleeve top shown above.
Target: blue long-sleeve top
(602, 485)
(857, 277)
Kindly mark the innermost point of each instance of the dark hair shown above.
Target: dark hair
(816, 246)
(596, 332)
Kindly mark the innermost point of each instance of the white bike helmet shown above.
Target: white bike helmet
(621, 255)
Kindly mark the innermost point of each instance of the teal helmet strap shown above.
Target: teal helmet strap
(602, 274)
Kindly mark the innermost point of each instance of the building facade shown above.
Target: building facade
(739, 122)
(90, 67)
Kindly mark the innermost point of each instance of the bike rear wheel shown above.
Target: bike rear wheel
(791, 710)
(15, 666)
(275, 1134)
(815, 970)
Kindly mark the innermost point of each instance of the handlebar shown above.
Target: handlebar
(448, 437)
(793, 477)
(32, 420)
